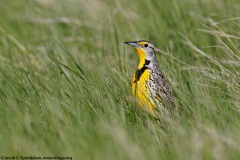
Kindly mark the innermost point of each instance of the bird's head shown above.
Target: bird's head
(145, 51)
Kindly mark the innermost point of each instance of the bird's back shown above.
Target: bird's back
(163, 91)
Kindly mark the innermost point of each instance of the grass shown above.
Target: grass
(65, 78)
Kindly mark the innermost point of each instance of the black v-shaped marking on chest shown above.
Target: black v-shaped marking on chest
(139, 72)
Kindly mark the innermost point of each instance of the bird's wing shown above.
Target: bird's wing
(164, 92)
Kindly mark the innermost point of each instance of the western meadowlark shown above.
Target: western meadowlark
(148, 82)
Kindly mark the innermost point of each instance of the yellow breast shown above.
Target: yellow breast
(140, 89)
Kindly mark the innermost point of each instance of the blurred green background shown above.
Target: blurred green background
(65, 78)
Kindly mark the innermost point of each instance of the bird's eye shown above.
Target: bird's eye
(146, 45)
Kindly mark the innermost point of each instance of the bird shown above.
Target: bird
(149, 85)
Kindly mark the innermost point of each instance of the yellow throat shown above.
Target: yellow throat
(142, 56)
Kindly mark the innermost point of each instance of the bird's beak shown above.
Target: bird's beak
(134, 44)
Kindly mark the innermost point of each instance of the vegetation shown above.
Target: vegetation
(65, 78)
